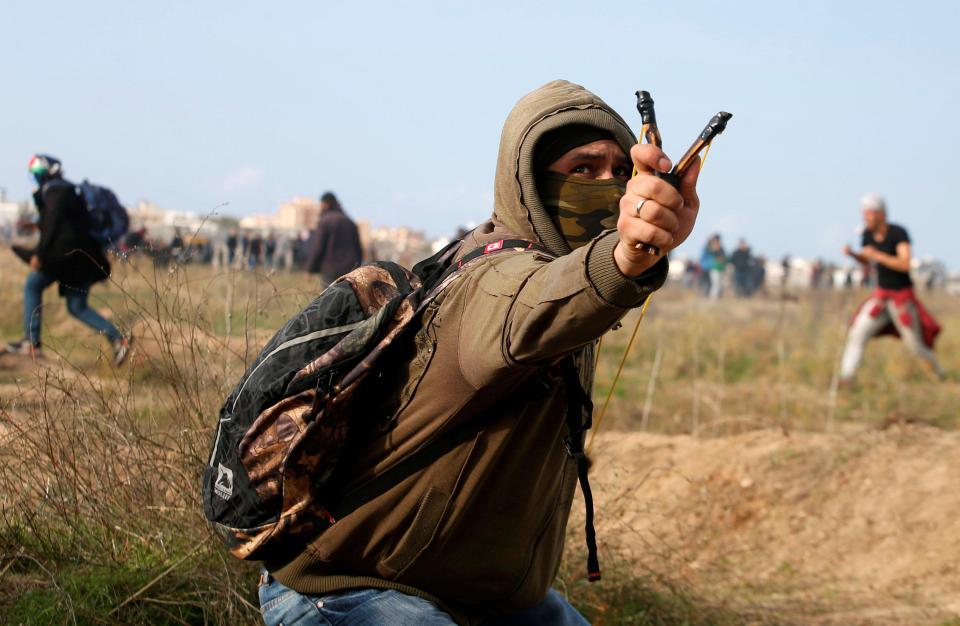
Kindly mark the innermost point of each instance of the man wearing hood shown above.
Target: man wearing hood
(476, 536)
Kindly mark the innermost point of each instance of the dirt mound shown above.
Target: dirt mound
(853, 528)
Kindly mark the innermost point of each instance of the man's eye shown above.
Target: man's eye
(622, 171)
(580, 169)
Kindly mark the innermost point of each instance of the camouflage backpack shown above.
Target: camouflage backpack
(268, 484)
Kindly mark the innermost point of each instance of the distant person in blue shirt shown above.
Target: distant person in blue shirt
(713, 260)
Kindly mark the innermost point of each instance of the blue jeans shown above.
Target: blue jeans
(76, 304)
(282, 606)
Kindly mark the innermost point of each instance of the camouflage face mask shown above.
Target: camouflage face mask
(581, 208)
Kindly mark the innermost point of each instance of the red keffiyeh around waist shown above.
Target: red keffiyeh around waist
(929, 328)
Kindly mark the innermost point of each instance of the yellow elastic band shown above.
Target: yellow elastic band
(626, 353)
(706, 151)
(613, 386)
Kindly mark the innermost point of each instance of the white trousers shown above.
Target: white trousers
(866, 326)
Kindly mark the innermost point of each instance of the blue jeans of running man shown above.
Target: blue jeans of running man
(282, 606)
(76, 304)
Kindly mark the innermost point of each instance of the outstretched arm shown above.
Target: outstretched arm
(524, 310)
(537, 310)
(578, 297)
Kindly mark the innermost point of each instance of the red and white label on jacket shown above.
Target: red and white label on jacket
(493, 247)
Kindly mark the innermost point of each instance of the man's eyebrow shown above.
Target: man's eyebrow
(591, 155)
(595, 155)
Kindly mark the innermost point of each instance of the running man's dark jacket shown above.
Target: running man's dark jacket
(67, 252)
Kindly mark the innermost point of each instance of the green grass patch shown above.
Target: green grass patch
(88, 594)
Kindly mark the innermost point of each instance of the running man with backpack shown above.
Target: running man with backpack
(405, 451)
(67, 254)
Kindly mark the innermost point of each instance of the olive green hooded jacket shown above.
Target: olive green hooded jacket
(481, 529)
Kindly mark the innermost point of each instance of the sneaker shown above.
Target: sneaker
(23, 348)
(121, 349)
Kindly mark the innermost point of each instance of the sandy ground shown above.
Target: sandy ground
(855, 527)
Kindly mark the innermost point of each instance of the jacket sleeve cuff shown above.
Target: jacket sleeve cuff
(609, 281)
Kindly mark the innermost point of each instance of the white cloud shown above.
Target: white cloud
(244, 178)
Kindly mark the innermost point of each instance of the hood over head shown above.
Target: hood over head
(559, 103)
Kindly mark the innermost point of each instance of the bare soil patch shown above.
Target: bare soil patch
(855, 527)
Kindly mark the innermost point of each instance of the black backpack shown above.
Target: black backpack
(107, 220)
(282, 430)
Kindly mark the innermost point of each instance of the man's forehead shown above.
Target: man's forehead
(597, 149)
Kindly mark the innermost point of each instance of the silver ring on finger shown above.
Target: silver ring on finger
(640, 205)
(649, 248)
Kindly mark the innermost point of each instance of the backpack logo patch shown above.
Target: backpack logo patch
(223, 486)
(493, 247)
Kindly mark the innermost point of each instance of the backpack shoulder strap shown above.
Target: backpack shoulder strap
(432, 268)
(500, 246)
(436, 273)
(579, 421)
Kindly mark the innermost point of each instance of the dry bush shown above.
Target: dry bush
(733, 366)
(100, 467)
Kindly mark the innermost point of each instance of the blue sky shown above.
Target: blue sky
(398, 106)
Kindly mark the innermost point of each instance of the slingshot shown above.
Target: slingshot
(651, 133)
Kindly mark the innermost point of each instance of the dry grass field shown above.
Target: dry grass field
(736, 484)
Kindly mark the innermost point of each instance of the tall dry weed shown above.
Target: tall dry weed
(100, 517)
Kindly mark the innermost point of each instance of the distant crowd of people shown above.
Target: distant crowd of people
(745, 274)
(716, 271)
(253, 250)
(330, 250)
(238, 249)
